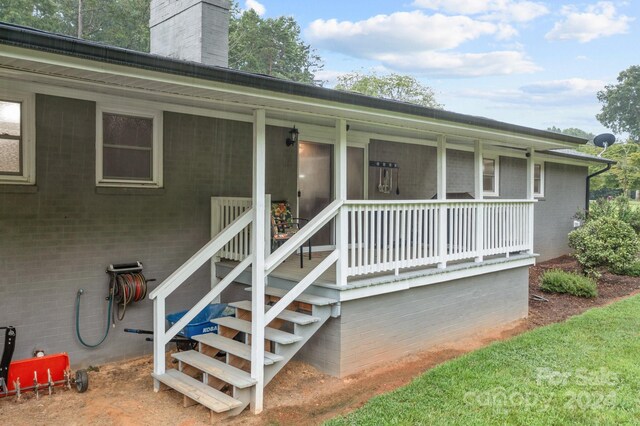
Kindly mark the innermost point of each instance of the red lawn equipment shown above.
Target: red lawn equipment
(36, 374)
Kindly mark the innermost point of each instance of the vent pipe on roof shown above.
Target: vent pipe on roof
(191, 30)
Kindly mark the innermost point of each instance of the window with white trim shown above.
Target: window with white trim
(490, 176)
(17, 138)
(128, 147)
(538, 179)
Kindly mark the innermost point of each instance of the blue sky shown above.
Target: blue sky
(534, 63)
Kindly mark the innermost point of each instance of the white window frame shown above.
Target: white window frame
(27, 136)
(157, 156)
(540, 163)
(496, 191)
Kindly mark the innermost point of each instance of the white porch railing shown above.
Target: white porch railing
(390, 235)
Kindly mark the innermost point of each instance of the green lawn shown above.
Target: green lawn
(584, 371)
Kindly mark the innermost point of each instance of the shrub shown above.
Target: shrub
(558, 281)
(619, 208)
(632, 269)
(604, 242)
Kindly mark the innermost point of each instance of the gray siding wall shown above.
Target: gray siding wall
(460, 171)
(383, 328)
(62, 237)
(417, 170)
(324, 349)
(565, 187)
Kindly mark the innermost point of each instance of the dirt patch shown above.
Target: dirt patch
(122, 393)
(559, 307)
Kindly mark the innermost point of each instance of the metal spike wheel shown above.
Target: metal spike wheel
(82, 381)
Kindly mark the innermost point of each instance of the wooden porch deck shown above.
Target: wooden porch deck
(290, 270)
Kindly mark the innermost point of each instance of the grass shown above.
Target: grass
(559, 281)
(582, 371)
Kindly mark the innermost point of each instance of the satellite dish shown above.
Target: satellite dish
(604, 141)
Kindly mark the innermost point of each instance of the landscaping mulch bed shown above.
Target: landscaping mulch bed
(559, 307)
(122, 393)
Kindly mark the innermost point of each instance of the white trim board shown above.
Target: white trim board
(324, 133)
(27, 136)
(368, 288)
(157, 145)
(257, 98)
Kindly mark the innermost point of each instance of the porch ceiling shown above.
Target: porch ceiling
(116, 80)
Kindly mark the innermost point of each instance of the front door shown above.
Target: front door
(315, 162)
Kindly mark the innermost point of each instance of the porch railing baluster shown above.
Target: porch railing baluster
(394, 235)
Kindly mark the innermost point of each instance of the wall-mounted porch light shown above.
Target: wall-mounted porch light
(293, 136)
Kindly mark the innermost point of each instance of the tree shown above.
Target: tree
(270, 46)
(572, 131)
(621, 104)
(393, 86)
(122, 23)
(625, 174)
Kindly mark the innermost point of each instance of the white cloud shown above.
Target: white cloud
(460, 64)
(571, 91)
(256, 6)
(416, 42)
(400, 31)
(329, 76)
(575, 87)
(501, 10)
(597, 20)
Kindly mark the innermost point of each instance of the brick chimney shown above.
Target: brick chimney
(193, 30)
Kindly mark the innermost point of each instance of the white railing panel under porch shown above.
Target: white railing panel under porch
(393, 235)
(224, 210)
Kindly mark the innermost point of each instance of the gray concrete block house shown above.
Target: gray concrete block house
(422, 222)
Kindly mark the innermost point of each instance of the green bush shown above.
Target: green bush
(558, 281)
(619, 208)
(632, 269)
(604, 242)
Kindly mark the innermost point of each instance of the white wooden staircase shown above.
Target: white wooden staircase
(230, 369)
(218, 375)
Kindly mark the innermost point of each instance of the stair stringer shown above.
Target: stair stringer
(288, 351)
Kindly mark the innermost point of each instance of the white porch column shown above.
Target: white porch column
(340, 191)
(258, 251)
(530, 196)
(441, 182)
(478, 192)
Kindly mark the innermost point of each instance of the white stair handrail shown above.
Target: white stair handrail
(203, 255)
(296, 291)
(208, 298)
(306, 232)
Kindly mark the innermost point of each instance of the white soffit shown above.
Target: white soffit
(117, 79)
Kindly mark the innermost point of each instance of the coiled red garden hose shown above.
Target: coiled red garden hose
(128, 288)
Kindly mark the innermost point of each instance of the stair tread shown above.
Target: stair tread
(228, 373)
(233, 347)
(273, 334)
(198, 391)
(287, 315)
(311, 299)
